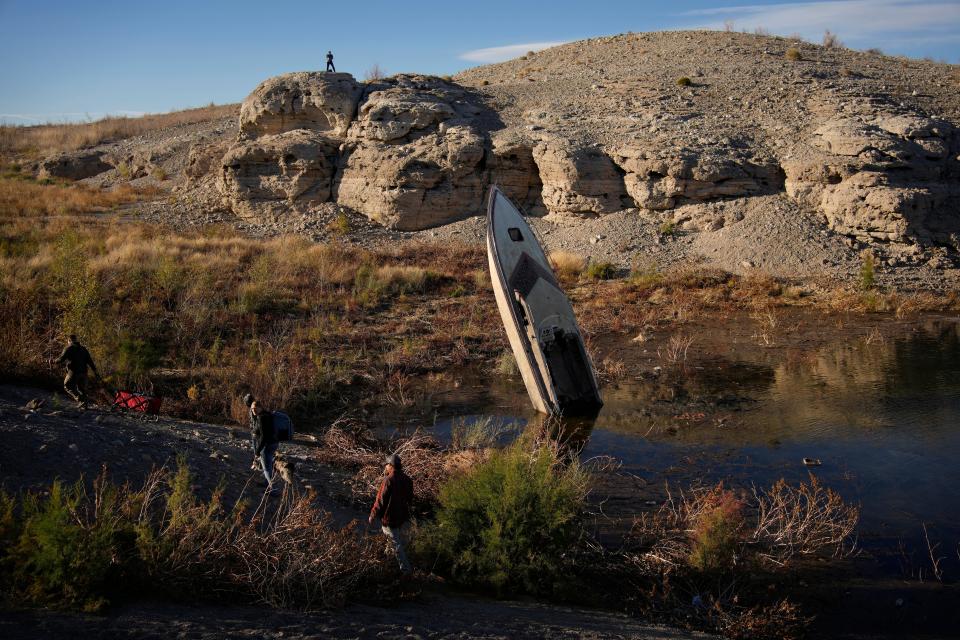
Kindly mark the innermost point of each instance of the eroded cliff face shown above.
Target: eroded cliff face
(413, 152)
(881, 176)
(414, 157)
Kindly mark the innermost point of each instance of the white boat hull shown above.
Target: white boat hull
(537, 316)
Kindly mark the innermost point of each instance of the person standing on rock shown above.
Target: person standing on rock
(264, 440)
(76, 358)
(330, 66)
(392, 507)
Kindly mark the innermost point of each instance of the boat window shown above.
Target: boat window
(515, 234)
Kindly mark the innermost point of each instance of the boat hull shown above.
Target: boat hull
(537, 316)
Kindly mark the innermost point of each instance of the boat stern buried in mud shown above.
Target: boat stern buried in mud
(537, 316)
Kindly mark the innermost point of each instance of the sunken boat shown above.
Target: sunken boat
(538, 316)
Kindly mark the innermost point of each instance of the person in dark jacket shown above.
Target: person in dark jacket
(248, 400)
(264, 440)
(77, 359)
(392, 507)
(330, 66)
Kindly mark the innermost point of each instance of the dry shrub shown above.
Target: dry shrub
(567, 265)
(350, 444)
(758, 285)
(301, 560)
(46, 139)
(506, 364)
(802, 520)
(775, 526)
(793, 53)
(779, 621)
(405, 278)
(831, 41)
(286, 554)
(374, 73)
(79, 549)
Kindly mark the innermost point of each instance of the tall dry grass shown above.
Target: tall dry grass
(312, 328)
(567, 265)
(42, 140)
(28, 198)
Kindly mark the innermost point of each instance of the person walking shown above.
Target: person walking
(248, 400)
(330, 66)
(392, 507)
(264, 441)
(77, 359)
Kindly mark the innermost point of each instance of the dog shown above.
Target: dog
(285, 468)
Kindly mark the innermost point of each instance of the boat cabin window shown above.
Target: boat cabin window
(515, 234)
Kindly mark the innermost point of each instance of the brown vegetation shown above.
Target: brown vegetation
(311, 327)
(42, 140)
(25, 197)
(81, 548)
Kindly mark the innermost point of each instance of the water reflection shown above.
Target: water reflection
(881, 413)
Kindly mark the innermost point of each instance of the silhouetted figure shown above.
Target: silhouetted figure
(330, 66)
(76, 357)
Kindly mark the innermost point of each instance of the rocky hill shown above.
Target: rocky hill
(758, 151)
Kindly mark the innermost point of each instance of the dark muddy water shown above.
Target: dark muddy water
(878, 405)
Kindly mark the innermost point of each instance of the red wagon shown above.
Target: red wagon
(141, 403)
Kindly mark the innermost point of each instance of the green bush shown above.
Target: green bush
(684, 82)
(66, 558)
(645, 274)
(507, 524)
(136, 356)
(717, 532)
(601, 270)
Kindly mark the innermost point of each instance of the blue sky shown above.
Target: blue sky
(66, 61)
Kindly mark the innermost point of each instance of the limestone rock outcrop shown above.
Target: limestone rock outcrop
(74, 166)
(203, 158)
(414, 158)
(513, 169)
(659, 181)
(412, 152)
(887, 177)
(577, 180)
(303, 100)
(274, 175)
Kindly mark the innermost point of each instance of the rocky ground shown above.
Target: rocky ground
(735, 150)
(57, 441)
(430, 615)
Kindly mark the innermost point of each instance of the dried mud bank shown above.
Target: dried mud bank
(56, 441)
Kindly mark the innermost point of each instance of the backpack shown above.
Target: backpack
(282, 426)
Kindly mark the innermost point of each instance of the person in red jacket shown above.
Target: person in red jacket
(392, 507)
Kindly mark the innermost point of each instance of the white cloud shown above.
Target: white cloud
(862, 21)
(506, 52)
